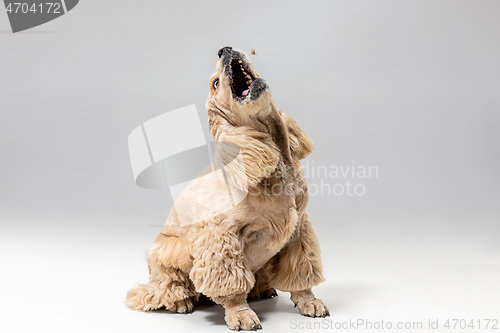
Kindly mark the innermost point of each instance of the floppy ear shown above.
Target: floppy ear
(300, 144)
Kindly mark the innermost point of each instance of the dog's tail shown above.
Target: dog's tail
(143, 298)
(163, 289)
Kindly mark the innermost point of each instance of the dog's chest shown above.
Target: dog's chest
(276, 217)
(267, 235)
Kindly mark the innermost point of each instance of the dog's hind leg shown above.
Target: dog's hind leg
(169, 284)
(168, 287)
(297, 268)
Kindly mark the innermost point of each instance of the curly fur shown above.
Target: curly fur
(233, 250)
(219, 266)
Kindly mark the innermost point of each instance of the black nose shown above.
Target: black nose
(228, 48)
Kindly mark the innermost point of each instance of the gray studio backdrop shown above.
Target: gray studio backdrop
(409, 87)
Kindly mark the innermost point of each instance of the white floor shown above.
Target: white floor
(72, 276)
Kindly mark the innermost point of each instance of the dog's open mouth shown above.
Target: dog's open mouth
(241, 79)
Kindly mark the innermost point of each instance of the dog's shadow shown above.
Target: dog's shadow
(214, 314)
(336, 298)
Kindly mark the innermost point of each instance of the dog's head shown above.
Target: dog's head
(236, 88)
(240, 100)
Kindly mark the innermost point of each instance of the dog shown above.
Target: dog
(233, 250)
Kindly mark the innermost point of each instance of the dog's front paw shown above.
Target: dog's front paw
(314, 308)
(184, 306)
(246, 320)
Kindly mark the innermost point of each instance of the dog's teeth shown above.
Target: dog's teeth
(248, 76)
(239, 61)
(249, 81)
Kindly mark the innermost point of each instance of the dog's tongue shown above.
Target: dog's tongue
(245, 92)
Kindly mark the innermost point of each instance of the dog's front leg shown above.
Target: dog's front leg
(220, 271)
(238, 316)
(308, 304)
(297, 268)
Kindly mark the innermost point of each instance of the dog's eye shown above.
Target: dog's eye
(215, 83)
